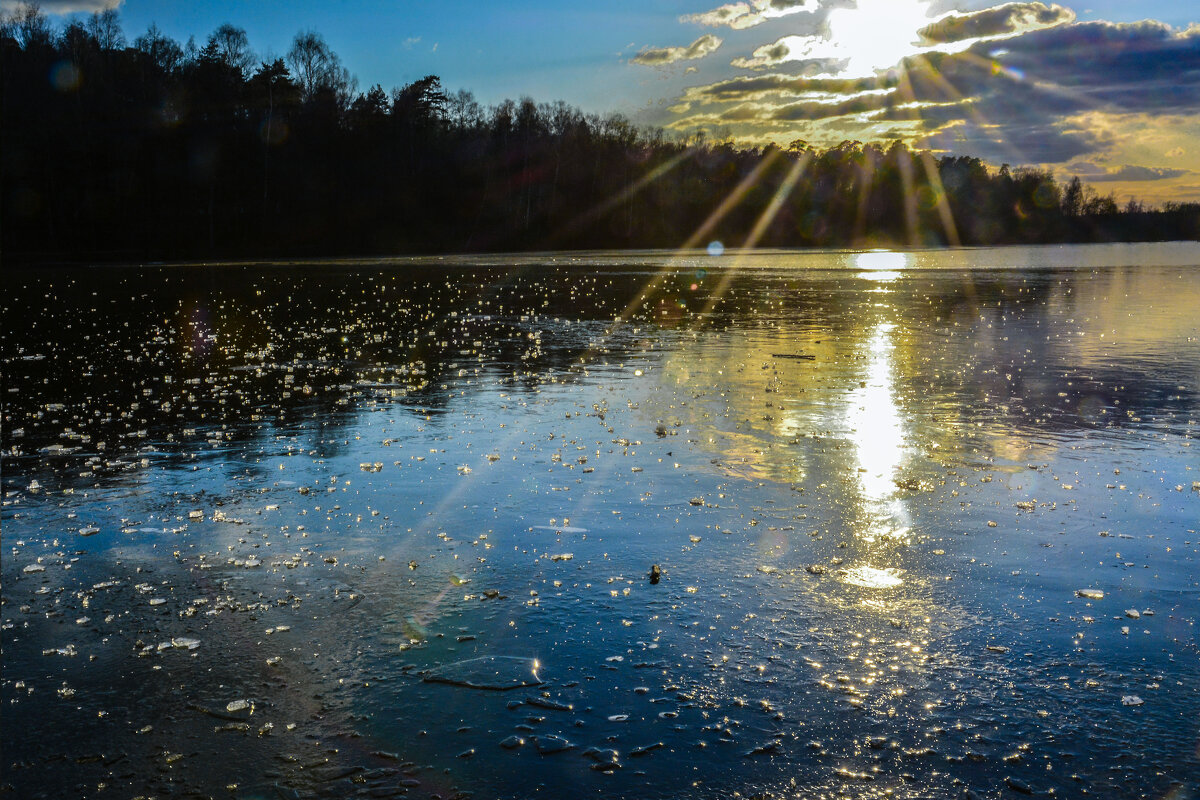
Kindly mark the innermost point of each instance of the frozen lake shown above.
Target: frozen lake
(632, 525)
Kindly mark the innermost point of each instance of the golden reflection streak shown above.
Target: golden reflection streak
(463, 486)
(993, 66)
(781, 195)
(629, 191)
(760, 227)
(939, 193)
(727, 205)
(730, 202)
(949, 92)
(718, 214)
(866, 172)
(925, 68)
(656, 281)
(904, 88)
(911, 225)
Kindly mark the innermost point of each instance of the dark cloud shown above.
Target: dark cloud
(1142, 66)
(758, 86)
(658, 56)
(744, 112)
(1008, 19)
(813, 111)
(766, 56)
(1011, 103)
(1131, 172)
(1019, 100)
(1046, 143)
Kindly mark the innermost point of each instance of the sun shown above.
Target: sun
(876, 34)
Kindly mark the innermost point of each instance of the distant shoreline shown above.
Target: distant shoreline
(566, 258)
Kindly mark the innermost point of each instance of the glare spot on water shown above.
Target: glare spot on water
(881, 266)
(873, 577)
(884, 276)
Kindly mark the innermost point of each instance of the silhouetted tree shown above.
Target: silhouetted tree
(163, 53)
(28, 26)
(317, 68)
(167, 151)
(105, 29)
(1072, 202)
(230, 45)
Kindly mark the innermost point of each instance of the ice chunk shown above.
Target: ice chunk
(497, 673)
(551, 744)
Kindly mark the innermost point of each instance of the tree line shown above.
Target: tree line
(151, 150)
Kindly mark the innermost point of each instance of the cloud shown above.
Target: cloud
(1016, 104)
(1132, 172)
(782, 87)
(1047, 76)
(859, 104)
(65, 6)
(743, 15)
(658, 56)
(1043, 142)
(1004, 20)
(784, 7)
(807, 49)
(735, 15)
(1140, 66)
(768, 55)
(1175, 152)
(1020, 83)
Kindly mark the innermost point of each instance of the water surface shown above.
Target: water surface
(640, 525)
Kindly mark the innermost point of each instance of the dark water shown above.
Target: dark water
(922, 524)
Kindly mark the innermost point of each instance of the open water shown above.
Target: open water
(628, 525)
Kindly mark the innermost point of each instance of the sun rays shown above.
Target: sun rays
(934, 73)
(1001, 82)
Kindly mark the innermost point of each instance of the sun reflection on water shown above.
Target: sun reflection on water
(881, 266)
(877, 433)
(873, 577)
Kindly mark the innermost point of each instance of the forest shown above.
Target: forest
(150, 149)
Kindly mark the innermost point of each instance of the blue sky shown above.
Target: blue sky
(572, 50)
(566, 50)
(1079, 87)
